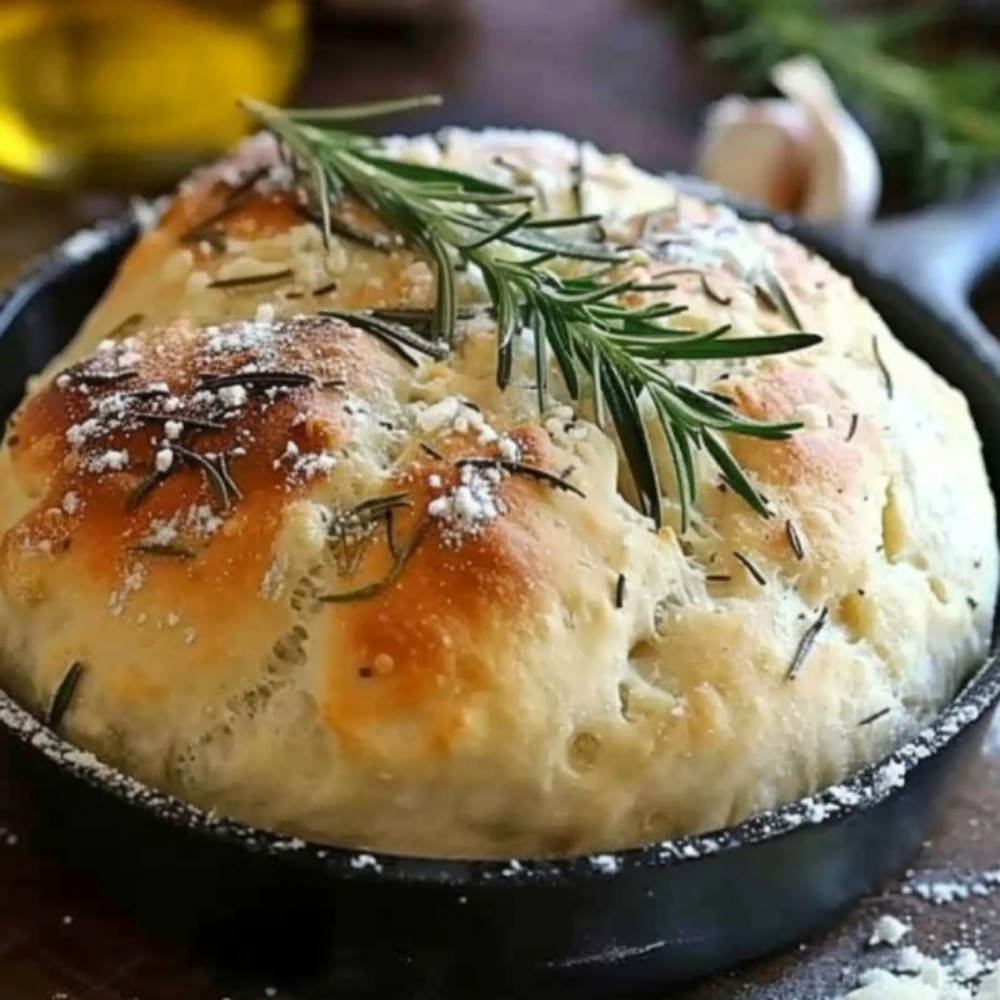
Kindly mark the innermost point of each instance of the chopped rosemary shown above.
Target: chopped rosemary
(172, 550)
(104, 378)
(852, 430)
(806, 644)
(349, 531)
(333, 224)
(217, 481)
(129, 323)
(718, 578)
(376, 506)
(751, 569)
(372, 589)
(620, 591)
(579, 178)
(139, 494)
(251, 279)
(188, 422)
(883, 368)
(396, 336)
(258, 380)
(875, 716)
(148, 393)
(520, 468)
(598, 342)
(422, 319)
(772, 291)
(795, 540)
(708, 291)
(63, 697)
(235, 200)
(433, 452)
(222, 464)
(330, 286)
(711, 293)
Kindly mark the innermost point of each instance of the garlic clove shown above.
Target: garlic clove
(758, 150)
(844, 176)
(802, 153)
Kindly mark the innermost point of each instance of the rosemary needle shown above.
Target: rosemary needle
(63, 697)
(620, 591)
(806, 644)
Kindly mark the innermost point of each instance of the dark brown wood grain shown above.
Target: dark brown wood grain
(629, 75)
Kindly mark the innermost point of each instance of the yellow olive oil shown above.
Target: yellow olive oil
(105, 93)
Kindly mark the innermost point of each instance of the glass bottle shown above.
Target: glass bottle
(133, 93)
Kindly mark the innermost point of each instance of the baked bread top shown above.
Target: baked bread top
(321, 581)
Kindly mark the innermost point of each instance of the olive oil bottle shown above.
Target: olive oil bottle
(133, 93)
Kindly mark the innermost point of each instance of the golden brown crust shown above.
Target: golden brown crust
(404, 633)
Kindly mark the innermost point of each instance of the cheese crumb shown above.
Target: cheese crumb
(113, 461)
(888, 930)
(233, 396)
(164, 460)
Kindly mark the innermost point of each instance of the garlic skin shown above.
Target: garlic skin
(758, 150)
(803, 153)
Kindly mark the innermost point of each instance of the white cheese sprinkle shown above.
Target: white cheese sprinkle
(469, 506)
(164, 460)
(113, 461)
(888, 930)
(232, 396)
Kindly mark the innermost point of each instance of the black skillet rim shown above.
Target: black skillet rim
(839, 803)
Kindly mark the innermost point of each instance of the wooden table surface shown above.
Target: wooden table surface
(627, 74)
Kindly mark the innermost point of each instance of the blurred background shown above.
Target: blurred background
(101, 99)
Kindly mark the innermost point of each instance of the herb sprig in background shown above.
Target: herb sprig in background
(938, 120)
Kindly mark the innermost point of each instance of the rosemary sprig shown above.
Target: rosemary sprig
(600, 345)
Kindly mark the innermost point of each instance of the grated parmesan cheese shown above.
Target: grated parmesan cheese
(468, 507)
(888, 930)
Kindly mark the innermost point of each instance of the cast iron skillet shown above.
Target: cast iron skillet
(344, 923)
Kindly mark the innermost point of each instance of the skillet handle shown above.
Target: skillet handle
(940, 254)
